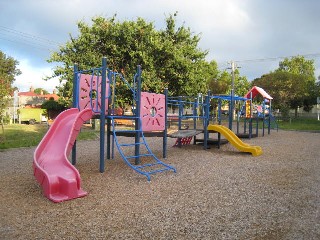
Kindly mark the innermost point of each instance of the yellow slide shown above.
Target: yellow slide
(235, 141)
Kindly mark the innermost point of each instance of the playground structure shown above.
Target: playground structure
(91, 99)
(263, 111)
(210, 124)
(94, 97)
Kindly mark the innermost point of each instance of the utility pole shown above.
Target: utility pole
(231, 108)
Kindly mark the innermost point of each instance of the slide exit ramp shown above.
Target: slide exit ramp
(235, 141)
(59, 179)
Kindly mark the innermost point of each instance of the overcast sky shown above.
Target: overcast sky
(255, 33)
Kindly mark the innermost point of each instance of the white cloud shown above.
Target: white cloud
(218, 15)
(32, 76)
(230, 30)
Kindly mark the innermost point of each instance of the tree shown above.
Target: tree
(221, 83)
(298, 65)
(8, 72)
(305, 70)
(287, 89)
(179, 61)
(218, 82)
(241, 84)
(40, 91)
(170, 58)
(53, 107)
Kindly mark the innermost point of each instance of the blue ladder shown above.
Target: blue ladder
(273, 122)
(146, 169)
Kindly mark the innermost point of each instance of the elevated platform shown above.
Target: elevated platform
(132, 134)
(212, 141)
(246, 135)
(184, 133)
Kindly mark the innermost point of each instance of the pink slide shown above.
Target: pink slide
(59, 179)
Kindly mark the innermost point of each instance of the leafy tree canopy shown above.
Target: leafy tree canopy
(292, 85)
(221, 83)
(8, 72)
(51, 104)
(41, 90)
(287, 89)
(306, 70)
(170, 57)
(298, 65)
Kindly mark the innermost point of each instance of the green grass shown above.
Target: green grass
(22, 135)
(300, 124)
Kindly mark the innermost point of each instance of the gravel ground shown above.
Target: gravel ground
(215, 194)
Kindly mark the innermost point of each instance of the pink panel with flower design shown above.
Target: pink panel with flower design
(90, 86)
(152, 111)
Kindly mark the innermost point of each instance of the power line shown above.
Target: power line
(315, 55)
(225, 65)
(28, 36)
(22, 38)
(33, 44)
(47, 44)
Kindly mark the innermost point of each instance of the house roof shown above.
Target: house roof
(258, 90)
(33, 94)
(30, 94)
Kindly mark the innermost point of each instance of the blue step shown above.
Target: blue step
(147, 165)
(131, 144)
(140, 155)
(127, 131)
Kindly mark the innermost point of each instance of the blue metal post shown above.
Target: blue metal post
(180, 118)
(195, 118)
(137, 123)
(194, 112)
(205, 122)
(110, 77)
(208, 108)
(103, 112)
(75, 105)
(165, 133)
(219, 110)
(238, 119)
(219, 121)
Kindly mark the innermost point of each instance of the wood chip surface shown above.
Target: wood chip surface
(215, 194)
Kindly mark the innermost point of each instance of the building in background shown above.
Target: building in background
(26, 106)
(32, 99)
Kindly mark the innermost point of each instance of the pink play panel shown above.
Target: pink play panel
(152, 111)
(90, 86)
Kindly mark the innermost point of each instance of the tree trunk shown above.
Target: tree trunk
(3, 138)
(2, 126)
(296, 112)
